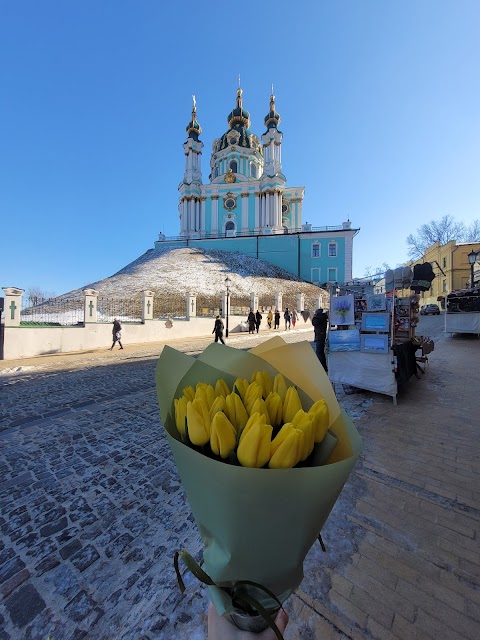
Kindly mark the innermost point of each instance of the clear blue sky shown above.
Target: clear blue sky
(379, 104)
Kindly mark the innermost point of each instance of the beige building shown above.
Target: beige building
(451, 267)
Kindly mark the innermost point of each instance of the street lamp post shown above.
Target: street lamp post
(472, 258)
(227, 283)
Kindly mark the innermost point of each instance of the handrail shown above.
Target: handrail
(240, 234)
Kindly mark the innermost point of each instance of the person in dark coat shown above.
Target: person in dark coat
(251, 322)
(218, 330)
(287, 318)
(116, 334)
(319, 322)
(277, 319)
(258, 320)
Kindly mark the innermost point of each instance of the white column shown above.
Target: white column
(300, 301)
(278, 301)
(214, 214)
(147, 305)
(299, 212)
(13, 303)
(90, 306)
(267, 210)
(191, 304)
(244, 211)
(253, 301)
(191, 216)
(202, 215)
(257, 210)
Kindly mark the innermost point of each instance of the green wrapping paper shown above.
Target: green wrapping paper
(258, 524)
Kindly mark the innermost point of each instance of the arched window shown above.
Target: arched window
(215, 175)
(234, 166)
(229, 226)
(253, 170)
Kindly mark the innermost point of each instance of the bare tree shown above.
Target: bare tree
(376, 272)
(38, 295)
(442, 231)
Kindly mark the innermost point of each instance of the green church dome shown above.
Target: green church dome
(193, 128)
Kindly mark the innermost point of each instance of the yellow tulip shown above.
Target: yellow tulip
(274, 408)
(217, 405)
(221, 388)
(253, 392)
(280, 386)
(304, 422)
(254, 449)
(180, 413)
(280, 437)
(206, 392)
(223, 436)
(255, 417)
(189, 393)
(260, 407)
(291, 404)
(288, 453)
(235, 411)
(264, 380)
(198, 421)
(321, 418)
(241, 384)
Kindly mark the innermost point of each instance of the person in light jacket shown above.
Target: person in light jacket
(294, 317)
(270, 319)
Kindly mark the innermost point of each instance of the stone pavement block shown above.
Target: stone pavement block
(15, 581)
(445, 614)
(24, 605)
(348, 609)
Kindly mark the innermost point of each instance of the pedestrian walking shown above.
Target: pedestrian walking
(258, 320)
(277, 319)
(251, 322)
(218, 330)
(116, 334)
(287, 318)
(294, 317)
(320, 321)
(270, 319)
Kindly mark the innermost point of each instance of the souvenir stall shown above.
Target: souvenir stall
(462, 313)
(371, 340)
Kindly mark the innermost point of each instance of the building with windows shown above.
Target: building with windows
(247, 207)
(451, 267)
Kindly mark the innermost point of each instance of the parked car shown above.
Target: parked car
(427, 309)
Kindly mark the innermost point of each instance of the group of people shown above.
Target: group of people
(254, 319)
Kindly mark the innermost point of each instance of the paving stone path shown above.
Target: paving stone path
(91, 510)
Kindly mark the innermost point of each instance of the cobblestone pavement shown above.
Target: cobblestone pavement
(92, 509)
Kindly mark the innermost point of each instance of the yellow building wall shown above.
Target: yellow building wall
(451, 259)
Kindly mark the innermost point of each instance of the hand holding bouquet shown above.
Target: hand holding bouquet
(263, 451)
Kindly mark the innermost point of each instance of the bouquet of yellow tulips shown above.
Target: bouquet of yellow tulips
(263, 451)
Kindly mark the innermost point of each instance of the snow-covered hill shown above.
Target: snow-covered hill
(180, 271)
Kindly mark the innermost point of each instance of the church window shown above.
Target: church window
(315, 250)
(332, 249)
(234, 166)
(253, 170)
(216, 172)
(285, 207)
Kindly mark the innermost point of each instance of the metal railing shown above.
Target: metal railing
(51, 312)
(243, 234)
(209, 306)
(125, 310)
(173, 306)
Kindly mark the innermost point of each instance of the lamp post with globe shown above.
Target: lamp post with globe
(227, 284)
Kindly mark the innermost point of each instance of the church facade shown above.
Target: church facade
(246, 205)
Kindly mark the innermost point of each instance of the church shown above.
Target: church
(247, 207)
